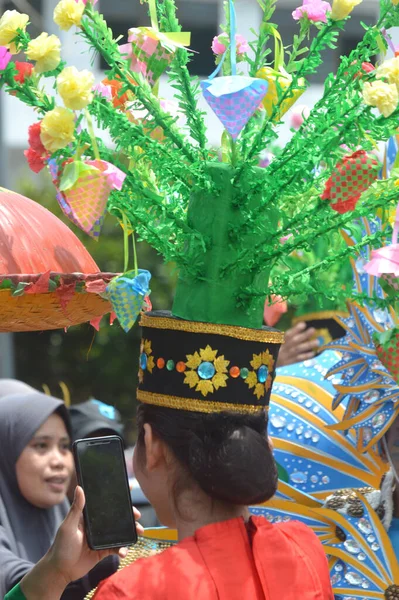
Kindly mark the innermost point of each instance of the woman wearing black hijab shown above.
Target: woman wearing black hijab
(35, 470)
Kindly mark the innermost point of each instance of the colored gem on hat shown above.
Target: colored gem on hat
(263, 373)
(170, 365)
(206, 370)
(181, 367)
(244, 373)
(160, 363)
(143, 360)
(235, 372)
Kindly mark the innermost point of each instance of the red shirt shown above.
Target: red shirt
(230, 560)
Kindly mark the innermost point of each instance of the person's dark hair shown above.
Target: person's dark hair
(226, 454)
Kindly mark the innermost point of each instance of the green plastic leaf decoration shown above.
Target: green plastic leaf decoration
(235, 232)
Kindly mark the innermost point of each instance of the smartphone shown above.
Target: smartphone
(101, 472)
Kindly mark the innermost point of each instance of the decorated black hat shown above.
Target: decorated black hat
(206, 367)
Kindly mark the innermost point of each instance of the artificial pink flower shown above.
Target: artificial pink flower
(5, 57)
(314, 10)
(273, 311)
(220, 43)
(265, 159)
(103, 90)
(299, 115)
(93, 2)
(242, 44)
(368, 67)
(285, 239)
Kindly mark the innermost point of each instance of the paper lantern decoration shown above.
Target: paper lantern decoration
(234, 100)
(127, 294)
(275, 80)
(84, 189)
(352, 176)
(48, 280)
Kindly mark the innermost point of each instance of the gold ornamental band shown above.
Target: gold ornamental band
(319, 316)
(240, 333)
(193, 405)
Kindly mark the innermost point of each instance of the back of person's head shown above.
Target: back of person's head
(94, 418)
(226, 454)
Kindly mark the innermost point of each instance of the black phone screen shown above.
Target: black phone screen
(102, 474)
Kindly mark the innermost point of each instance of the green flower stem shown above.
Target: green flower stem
(315, 48)
(268, 7)
(181, 76)
(350, 250)
(128, 134)
(296, 47)
(140, 89)
(335, 223)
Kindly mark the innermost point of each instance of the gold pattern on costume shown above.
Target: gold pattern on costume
(145, 348)
(259, 387)
(240, 333)
(143, 549)
(217, 364)
(323, 335)
(193, 405)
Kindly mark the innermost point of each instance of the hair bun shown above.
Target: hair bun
(226, 454)
(235, 465)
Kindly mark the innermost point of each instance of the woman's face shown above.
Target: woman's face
(45, 466)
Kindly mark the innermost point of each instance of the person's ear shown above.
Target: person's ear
(154, 450)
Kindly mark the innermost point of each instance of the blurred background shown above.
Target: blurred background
(102, 364)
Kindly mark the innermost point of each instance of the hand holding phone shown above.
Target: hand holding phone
(101, 472)
(69, 557)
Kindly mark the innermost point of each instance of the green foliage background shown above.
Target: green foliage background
(102, 365)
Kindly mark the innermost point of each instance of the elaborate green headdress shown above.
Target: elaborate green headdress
(217, 215)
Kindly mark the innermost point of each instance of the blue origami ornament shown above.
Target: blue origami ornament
(234, 100)
(127, 294)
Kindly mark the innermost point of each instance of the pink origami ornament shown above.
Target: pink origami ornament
(84, 191)
(234, 100)
(384, 262)
(151, 52)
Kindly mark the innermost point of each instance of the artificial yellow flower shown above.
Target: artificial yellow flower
(383, 96)
(10, 22)
(343, 8)
(68, 13)
(45, 50)
(57, 129)
(271, 99)
(75, 87)
(389, 70)
(395, 2)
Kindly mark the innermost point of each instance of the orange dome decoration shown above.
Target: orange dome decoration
(48, 280)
